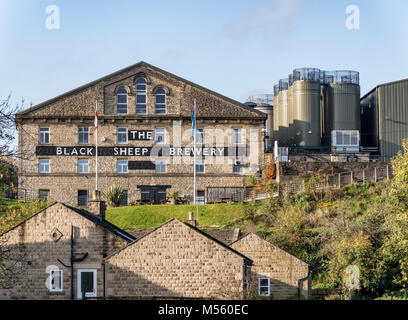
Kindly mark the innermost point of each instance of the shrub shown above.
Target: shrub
(114, 195)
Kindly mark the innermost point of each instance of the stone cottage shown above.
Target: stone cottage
(66, 253)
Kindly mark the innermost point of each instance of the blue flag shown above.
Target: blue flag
(193, 116)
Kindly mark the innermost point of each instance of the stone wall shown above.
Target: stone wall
(283, 269)
(175, 260)
(40, 241)
(66, 113)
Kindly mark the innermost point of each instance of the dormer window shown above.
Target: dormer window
(141, 96)
(122, 101)
(160, 101)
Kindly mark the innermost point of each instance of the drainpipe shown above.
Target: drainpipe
(72, 260)
(300, 285)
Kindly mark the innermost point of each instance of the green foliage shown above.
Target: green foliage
(114, 195)
(14, 212)
(174, 195)
(252, 180)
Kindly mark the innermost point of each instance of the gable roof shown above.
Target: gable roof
(268, 244)
(383, 85)
(246, 259)
(139, 64)
(93, 218)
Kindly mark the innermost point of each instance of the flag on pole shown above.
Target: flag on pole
(96, 117)
(193, 116)
(96, 145)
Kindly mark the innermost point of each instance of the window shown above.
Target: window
(55, 280)
(264, 286)
(121, 135)
(160, 135)
(43, 195)
(160, 166)
(82, 198)
(122, 166)
(237, 168)
(121, 101)
(236, 136)
(141, 96)
(160, 101)
(200, 198)
(44, 135)
(124, 201)
(199, 166)
(83, 135)
(44, 166)
(199, 135)
(83, 166)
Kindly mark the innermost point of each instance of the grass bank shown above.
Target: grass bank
(152, 216)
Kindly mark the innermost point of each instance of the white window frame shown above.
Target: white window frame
(79, 284)
(199, 135)
(259, 286)
(160, 104)
(39, 165)
(122, 165)
(122, 103)
(156, 135)
(159, 163)
(234, 135)
(79, 166)
(117, 135)
(42, 134)
(85, 132)
(51, 277)
(200, 162)
(141, 93)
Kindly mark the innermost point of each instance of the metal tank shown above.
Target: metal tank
(263, 103)
(306, 107)
(283, 112)
(343, 101)
(275, 136)
(291, 133)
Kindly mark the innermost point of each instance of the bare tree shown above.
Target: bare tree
(8, 129)
(11, 265)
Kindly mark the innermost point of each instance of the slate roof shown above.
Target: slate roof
(87, 215)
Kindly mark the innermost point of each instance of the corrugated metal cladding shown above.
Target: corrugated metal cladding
(369, 120)
(393, 117)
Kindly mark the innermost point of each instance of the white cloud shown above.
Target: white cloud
(271, 22)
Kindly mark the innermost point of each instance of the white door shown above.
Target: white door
(86, 283)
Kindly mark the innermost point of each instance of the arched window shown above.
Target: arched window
(141, 96)
(121, 101)
(160, 101)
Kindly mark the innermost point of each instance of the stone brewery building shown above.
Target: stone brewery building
(145, 143)
(66, 253)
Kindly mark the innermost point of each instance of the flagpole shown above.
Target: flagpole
(96, 146)
(194, 153)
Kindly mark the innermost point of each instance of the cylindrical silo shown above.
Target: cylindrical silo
(306, 107)
(291, 133)
(267, 109)
(283, 112)
(275, 136)
(343, 102)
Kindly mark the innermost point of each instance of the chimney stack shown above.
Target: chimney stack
(191, 219)
(96, 205)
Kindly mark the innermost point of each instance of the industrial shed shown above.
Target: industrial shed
(384, 118)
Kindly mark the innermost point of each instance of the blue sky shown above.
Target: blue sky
(236, 48)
